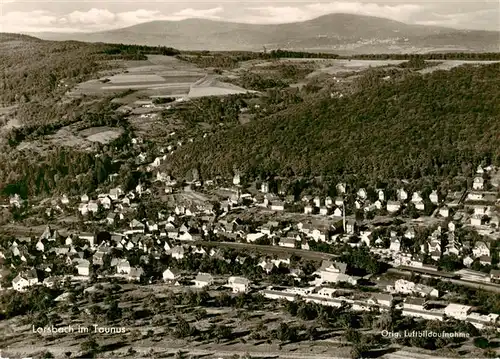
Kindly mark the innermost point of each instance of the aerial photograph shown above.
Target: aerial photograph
(255, 179)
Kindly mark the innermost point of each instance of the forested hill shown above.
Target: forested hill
(432, 125)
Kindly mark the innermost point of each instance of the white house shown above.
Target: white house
(25, 280)
(433, 197)
(308, 209)
(287, 242)
(444, 212)
(123, 267)
(420, 206)
(253, 237)
(135, 274)
(236, 179)
(381, 195)
(362, 193)
(115, 193)
(178, 252)
(393, 206)
(203, 280)
(83, 267)
(337, 212)
(402, 194)
(239, 284)
(478, 183)
(333, 272)
(481, 249)
(328, 202)
(457, 311)
(171, 274)
(395, 245)
(341, 188)
(277, 206)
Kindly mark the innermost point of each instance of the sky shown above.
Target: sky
(98, 15)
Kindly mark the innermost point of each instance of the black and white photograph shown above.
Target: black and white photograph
(309, 179)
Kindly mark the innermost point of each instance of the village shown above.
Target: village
(268, 243)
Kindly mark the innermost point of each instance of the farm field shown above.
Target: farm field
(158, 76)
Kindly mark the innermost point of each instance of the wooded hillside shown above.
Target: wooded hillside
(420, 126)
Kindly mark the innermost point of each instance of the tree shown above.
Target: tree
(90, 346)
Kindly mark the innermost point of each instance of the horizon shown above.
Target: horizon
(66, 16)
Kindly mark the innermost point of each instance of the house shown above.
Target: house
(115, 193)
(40, 246)
(277, 206)
(333, 272)
(89, 237)
(341, 188)
(317, 202)
(287, 242)
(178, 252)
(328, 202)
(395, 245)
(64, 199)
(478, 183)
(495, 275)
(407, 287)
(414, 303)
(468, 261)
(308, 209)
(381, 195)
(254, 237)
(203, 280)
(25, 280)
(350, 227)
(477, 220)
(485, 260)
(420, 206)
(402, 195)
(123, 267)
(135, 274)
(83, 267)
(444, 212)
(110, 218)
(105, 202)
(323, 211)
(339, 201)
(337, 212)
(171, 274)
(393, 206)
(457, 311)
(362, 194)
(239, 284)
(236, 179)
(84, 198)
(383, 300)
(434, 197)
(481, 249)
(264, 187)
(136, 226)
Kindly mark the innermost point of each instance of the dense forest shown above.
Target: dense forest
(418, 126)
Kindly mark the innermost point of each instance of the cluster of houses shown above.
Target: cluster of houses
(410, 305)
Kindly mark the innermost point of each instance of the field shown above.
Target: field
(156, 77)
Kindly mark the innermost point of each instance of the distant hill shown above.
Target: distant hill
(334, 32)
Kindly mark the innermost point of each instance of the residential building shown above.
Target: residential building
(239, 284)
(203, 280)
